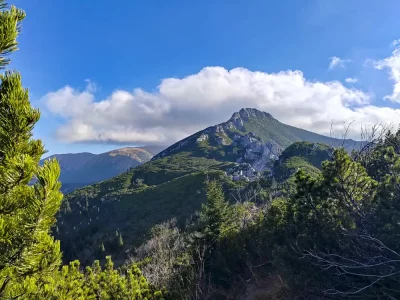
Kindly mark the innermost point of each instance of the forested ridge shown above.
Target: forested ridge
(325, 225)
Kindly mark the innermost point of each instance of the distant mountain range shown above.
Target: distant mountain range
(81, 169)
(171, 185)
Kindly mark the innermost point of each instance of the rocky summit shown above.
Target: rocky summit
(251, 138)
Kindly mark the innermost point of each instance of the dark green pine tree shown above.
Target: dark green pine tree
(214, 212)
(86, 203)
(120, 241)
(66, 206)
(347, 183)
(26, 212)
(385, 166)
(334, 202)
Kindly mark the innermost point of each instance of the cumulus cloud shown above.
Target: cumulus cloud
(337, 62)
(351, 80)
(181, 106)
(68, 102)
(392, 63)
(395, 43)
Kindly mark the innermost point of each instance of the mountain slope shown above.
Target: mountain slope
(251, 136)
(80, 169)
(131, 204)
(301, 155)
(171, 184)
(154, 149)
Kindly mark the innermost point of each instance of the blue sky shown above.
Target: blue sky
(127, 48)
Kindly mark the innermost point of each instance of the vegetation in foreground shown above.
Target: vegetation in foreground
(30, 258)
(329, 233)
(335, 235)
(153, 193)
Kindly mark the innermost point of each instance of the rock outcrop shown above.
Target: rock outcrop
(249, 136)
(255, 153)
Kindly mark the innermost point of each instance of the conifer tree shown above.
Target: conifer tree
(120, 241)
(214, 211)
(86, 203)
(26, 212)
(102, 248)
(336, 200)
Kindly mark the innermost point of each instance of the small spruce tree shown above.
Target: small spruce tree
(214, 212)
(120, 241)
(86, 203)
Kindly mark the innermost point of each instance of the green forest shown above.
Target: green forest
(325, 225)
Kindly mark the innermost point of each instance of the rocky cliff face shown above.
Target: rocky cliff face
(251, 138)
(253, 154)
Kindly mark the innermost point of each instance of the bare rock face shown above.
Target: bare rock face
(236, 122)
(251, 155)
(257, 156)
(203, 137)
(243, 171)
(219, 129)
(258, 152)
(250, 140)
(221, 140)
(253, 150)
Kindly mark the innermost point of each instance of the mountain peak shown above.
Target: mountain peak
(251, 113)
(251, 130)
(127, 151)
(80, 169)
(138, 154)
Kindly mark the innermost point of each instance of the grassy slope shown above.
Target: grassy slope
(284, 135)
(172, 187)
(300, 155)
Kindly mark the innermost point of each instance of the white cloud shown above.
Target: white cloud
(91, 86)
(395, 43)
(392, 63)
(182, 106)
(68, 102)
(351, 80)
(338, 62)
